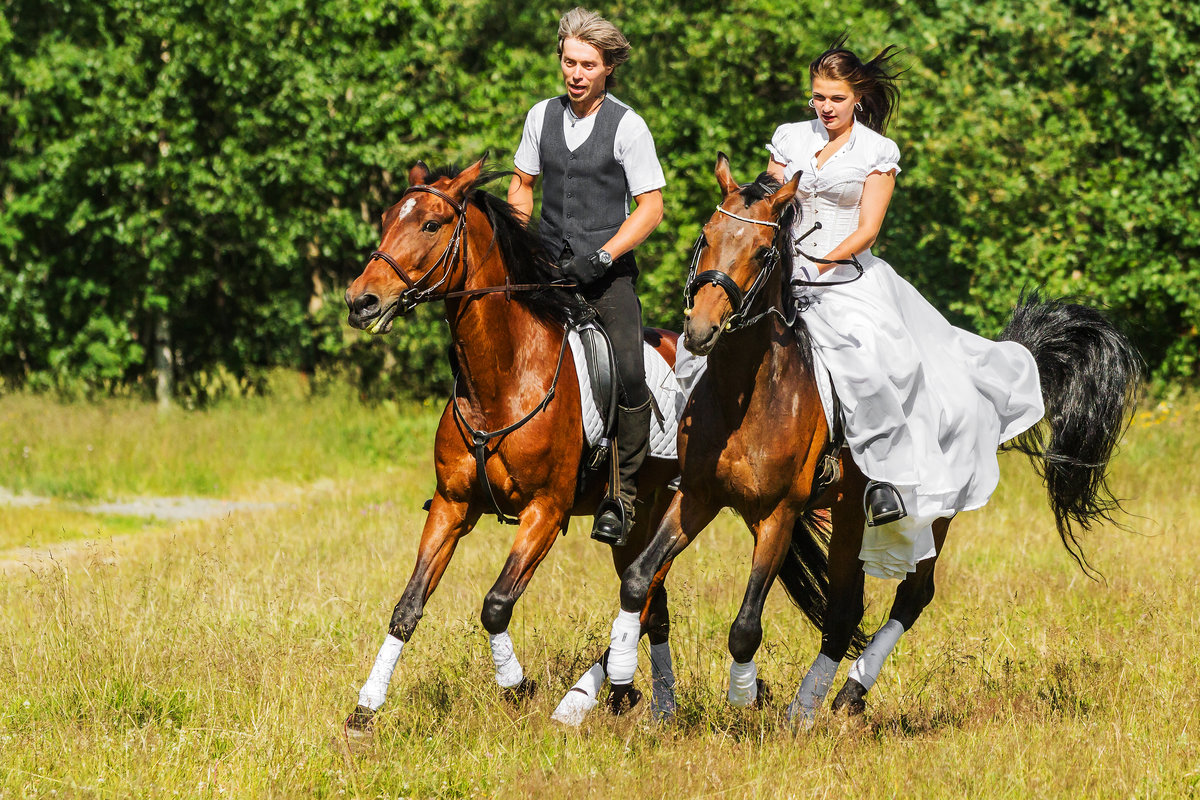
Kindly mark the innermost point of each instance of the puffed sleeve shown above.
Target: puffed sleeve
(783, 144)
(887, 157)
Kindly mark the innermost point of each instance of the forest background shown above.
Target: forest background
(199, 181)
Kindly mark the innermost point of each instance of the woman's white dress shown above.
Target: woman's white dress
(925, 404)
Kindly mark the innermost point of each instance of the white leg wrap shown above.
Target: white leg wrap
(813, 688)
(866, 666)
(374, 691)
(622, 649)
(581, 699)
(743, 683)
(508, 669)
(662, 681)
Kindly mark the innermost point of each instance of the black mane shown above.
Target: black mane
(521, 247)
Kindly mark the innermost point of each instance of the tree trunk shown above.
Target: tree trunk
(164, 364)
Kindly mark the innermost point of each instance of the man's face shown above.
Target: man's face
(583, 71)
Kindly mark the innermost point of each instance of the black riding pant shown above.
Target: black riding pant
(620, 313)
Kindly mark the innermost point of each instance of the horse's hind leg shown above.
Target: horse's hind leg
(772, 538)
(445, 524)
(845, 595)
(658, 621)
(912, 596)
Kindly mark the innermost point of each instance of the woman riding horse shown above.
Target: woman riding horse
(754, 437)
(924, 404)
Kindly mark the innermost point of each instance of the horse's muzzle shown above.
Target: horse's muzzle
(367, 313)
(700, 337)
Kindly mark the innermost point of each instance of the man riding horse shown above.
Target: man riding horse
(594, 154)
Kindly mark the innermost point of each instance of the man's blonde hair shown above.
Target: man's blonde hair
(591, 28)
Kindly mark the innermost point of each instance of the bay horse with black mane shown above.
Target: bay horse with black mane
(754, 437)
(510, 441)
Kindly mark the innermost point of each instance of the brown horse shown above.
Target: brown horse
(754, 437)
(510, 441)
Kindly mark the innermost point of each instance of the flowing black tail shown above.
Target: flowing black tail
(805, 574)
(1091, 376)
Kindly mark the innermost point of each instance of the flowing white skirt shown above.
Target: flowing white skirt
(925, 404)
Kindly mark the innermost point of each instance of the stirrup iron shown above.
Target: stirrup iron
(612, 522)
(882, 504)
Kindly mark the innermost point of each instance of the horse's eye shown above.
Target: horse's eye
(431, 226)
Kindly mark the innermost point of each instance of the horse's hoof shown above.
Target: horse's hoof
(360, 720)
(851, 700)
(358, 730)
(622, 699)
(523, 691)
(662, 704)
(764, 697)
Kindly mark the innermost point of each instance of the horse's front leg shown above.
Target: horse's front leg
(772, 538)
(685, 518)
(541, 522)
(445, 524)
(581, 698)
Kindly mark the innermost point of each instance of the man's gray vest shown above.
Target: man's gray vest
(583, 192)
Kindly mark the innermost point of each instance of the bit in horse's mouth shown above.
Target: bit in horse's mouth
(383, 323)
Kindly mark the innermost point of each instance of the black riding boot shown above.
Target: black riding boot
(632, 443)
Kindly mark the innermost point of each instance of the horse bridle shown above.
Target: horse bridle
(741, 301)
(414, 295)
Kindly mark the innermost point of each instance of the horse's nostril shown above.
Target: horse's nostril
(365, 305)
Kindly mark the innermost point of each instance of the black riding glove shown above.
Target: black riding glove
(583, 269)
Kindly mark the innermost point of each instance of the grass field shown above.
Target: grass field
(217, 658)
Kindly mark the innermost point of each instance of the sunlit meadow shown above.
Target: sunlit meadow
(218, 657)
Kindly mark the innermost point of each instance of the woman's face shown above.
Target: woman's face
(834, 103)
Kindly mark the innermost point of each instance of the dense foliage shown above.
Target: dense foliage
(215, 172)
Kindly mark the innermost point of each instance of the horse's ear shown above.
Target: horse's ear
(460, 185)
(725, 176)
(784, 194)
(418, 174)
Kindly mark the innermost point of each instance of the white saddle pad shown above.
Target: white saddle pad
(661, 381)
(689, 368)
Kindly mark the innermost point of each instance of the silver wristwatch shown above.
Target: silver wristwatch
(604, 256)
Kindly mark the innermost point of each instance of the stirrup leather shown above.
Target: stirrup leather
(882, 504)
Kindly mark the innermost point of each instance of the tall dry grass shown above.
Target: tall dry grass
(217, 659)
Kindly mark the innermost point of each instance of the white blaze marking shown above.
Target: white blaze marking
(407, 207)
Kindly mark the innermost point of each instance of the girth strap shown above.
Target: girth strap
(480, 439)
